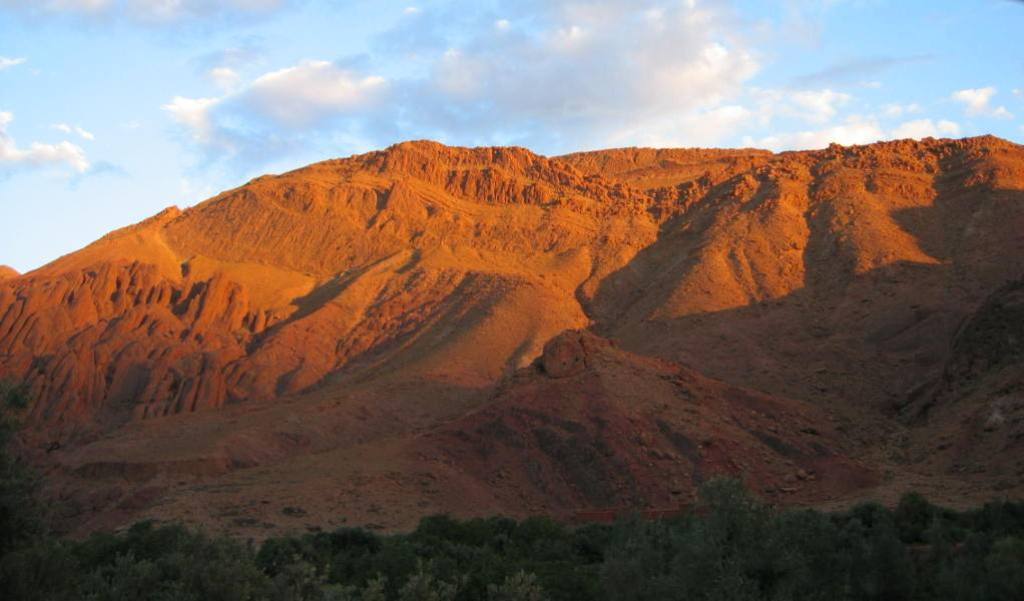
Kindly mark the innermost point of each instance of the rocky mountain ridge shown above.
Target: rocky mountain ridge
(400, 292)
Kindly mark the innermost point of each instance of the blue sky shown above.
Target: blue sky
(111, 110)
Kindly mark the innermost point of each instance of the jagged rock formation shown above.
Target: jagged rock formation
(392, 292)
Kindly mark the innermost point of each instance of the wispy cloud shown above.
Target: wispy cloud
(819, 105)
(856, 69)
(38, 154)
(857, 129)
(242, 52)
(194, 115)
(926, 128)
(277, 107)
(224, 78)
(7, 63)
(73, 129)
(894, 110)
(144, 11)
(98, 169)
(304, 94)
(977, 102)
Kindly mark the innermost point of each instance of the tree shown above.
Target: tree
(20, 519)
(423, 586)
(913, 516)
(518, 587)
(1005, 564)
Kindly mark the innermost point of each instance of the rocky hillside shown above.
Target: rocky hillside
(590, 425)
(403, 293)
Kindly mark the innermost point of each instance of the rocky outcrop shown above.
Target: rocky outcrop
(591, 426)
(991, 339)
(971, 415)
(566, 354)
(90, 344)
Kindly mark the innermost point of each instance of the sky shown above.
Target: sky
(111, 110)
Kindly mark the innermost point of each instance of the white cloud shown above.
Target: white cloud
(925, 128)
(311, 90)
(7, 63)
(583, 73)
(819, 106)
(151, 11)
(977, 101)
(79, 6)
(1002, 113)
(194, 115)
(898, 110)
(586, 74)
(224, 78)
(578, 74)
(277, 108)
(857, 129)
(73, 129)
(810, 106)
(38, 154)
(702, 128)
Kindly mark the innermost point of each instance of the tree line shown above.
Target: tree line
(731, 547)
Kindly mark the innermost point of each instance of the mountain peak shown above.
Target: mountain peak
(428, 158)
(7, 272)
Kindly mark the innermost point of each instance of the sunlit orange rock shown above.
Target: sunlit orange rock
(352, 309)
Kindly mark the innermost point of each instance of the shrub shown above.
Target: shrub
(20, 518)
(518, 587)
(913, 516)
(733, 547)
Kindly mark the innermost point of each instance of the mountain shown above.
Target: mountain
(7, 273)
(367, 335)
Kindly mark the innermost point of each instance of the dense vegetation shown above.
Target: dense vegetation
(730, 548)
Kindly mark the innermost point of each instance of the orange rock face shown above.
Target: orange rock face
(390, 293)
